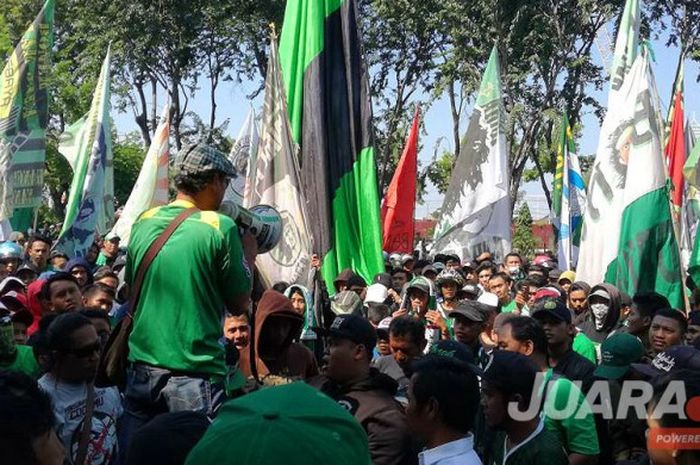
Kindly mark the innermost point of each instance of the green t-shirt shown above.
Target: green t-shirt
(542, 447)
(573, 423)
(178, 321)
(24, 363)
(585, 347)
(510, 307)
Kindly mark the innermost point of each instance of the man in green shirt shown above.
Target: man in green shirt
(177, 357)
(15, 357)
(573, 423)
(500, 284)
(509, 380)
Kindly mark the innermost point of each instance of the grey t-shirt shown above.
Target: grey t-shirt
(387, 365)
(69, 407)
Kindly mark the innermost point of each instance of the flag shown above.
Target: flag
(476, 213)
(647, 257)
(330, 113)
(675, 147)
(400, 199)
(277, 183)
(87, 145)
(242, 156)
(151, 187)
(24, 98)
(607, 181)
(568, 199)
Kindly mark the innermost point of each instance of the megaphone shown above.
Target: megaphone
(263, 221)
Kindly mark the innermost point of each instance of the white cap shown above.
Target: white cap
(384, 324)
(488, 298)
(376, 294)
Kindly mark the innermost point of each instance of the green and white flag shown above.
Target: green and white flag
(647, 257)
(277, 182)
(87, 145)
(151, 188)
(609, 172)
(24, 98)
(476, 215)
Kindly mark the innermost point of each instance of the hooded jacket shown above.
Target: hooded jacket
(371, 401)
(307, 333)
(80, 261)
(34, 304)
(612, 321)
(293, 361)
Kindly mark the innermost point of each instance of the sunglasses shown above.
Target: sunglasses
(83, 352)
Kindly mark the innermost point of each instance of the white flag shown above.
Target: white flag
(243, 154)
(604, 208)
(476, 215)
(276, 174)
(151, 188)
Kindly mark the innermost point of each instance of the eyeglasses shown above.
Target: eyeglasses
(86, 351)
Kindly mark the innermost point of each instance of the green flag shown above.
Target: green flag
(24, 113)
(331, 119)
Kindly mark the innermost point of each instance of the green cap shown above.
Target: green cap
(292, 424)
(617, 353)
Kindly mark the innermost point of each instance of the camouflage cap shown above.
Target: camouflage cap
(199, 158)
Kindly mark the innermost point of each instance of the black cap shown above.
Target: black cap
(511, 371)
(553, 307)
(357, 280)
(470, 310)
(384, 279)
(672, 359)
(456, 350)
(351, 327)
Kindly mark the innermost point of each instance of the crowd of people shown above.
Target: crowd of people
(435, 361)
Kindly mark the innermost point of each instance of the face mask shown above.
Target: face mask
(513, 270)
(600, 311)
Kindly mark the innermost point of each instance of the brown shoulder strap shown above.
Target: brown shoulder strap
(150, 255)
(81, 453)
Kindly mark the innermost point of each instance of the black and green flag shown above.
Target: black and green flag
(331, 118)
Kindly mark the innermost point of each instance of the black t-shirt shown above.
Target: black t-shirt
(575, 367)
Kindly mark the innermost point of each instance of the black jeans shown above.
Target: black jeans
(151, 391)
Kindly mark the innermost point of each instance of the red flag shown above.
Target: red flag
(675, 150)
(400, 201)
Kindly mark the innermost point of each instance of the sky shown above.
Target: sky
(233, 105)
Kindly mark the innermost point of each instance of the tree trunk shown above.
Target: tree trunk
(455, 119)
(141, 114)
(175, 116)
(154, 105)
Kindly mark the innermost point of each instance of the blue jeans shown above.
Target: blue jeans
(151, 391)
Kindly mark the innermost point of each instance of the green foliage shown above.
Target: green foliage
(128, 158)
(524, 241)
(439, 171)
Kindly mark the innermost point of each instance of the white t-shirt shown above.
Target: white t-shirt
(69, 409)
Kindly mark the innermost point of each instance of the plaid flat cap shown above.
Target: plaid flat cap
(198, 158)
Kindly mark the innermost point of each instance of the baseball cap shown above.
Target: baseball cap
(472, 290)
(456, 350)
(672, 359)
(356, 280)
(568, 274)
(383, 328)
(376, 293)
(293, 424)
(57, 253)
(11, 284)
(617, 353)
(428, 269)
(351, 327)
(511, 371)
(553, 307)
(547, 292)
(470, 310)
(602, 293)
(554, 274)
(383, 278)
(439, 266)
(27, 267)
(198, 158)
(346, 303)
(407, 258)
(421, 283)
